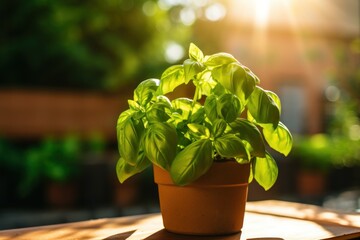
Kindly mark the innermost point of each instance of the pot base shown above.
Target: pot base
(212, 205)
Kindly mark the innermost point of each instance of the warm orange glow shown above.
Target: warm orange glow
(261, 12)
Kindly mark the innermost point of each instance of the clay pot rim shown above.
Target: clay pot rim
(238, 175)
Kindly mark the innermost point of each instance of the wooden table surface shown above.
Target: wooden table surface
(271, 220)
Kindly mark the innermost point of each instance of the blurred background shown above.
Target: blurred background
(68, 67)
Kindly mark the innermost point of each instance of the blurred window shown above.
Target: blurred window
(293, 107)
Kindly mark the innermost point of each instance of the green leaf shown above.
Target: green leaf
(195, 53)
(210, 106)
(219, 126)
(125, 170)
(235, 79)
(192, 162)
(157, 113)
(205, 83)
(265, 171)
(124, 116)
(279, 139)
(275, 98)
(145, 91)
(198, 114)
(251, 175)
(230, 146)
(251, 74)
(129, 133)
(218, 59)
(183, 106)
(134, 105)
(171, 78)
(199, 130)
(249, 132)
(191, 69)
(263, 108)
(160, 142)
(228, 107)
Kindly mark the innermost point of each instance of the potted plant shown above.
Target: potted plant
(207, 149)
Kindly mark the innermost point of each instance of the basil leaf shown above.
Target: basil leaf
(275, 98)
(228, 107)
(279, 139)
(249, 132)
(134, 105)
(218, 59)
(263, 108)
(191, 68)
(124, 116)
(235, 79)
(230, 146)
(251, 175)
(198, 114)
(195, 53)
(125, 170)
(265, 171)
(183, 106)
(129, 133)
(210, 106)
(199, 130)
(251, 74)
(157, 113)
(171, 78)
(145, 91)
(219, 127)
(192, 162)
(160, 143)
(205, 83)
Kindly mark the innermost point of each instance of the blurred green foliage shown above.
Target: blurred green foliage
(93, 44)
(339, 145)
(51, 159)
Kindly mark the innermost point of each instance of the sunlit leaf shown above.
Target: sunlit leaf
(145, 91)
(192, 162)
(228, 107)
(265, 171)
(219, 126)
(263, 108)
(210, 106)
(125, 170)
(230, 146)
(235, 79)
(157, 113)
(205, 83)
(171, 78)
(191, 69)
(250, 133)
(124, 116)
(275, 98)
(218, 59)
(195, 53)
(279, 139)
(129, 133)
(198, 114)
(134, 105)
(160, 143)
(199, 130)
(251, 74)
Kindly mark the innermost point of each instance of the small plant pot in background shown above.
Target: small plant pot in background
(212, 205)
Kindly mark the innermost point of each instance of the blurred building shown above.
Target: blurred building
(295, 47)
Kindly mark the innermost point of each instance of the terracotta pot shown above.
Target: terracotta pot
(212, 205)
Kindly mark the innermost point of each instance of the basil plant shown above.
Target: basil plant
(229, 117)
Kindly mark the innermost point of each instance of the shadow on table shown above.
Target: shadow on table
(120, 236)
(163, 234)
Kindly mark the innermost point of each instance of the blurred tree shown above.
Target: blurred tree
(93, 44)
